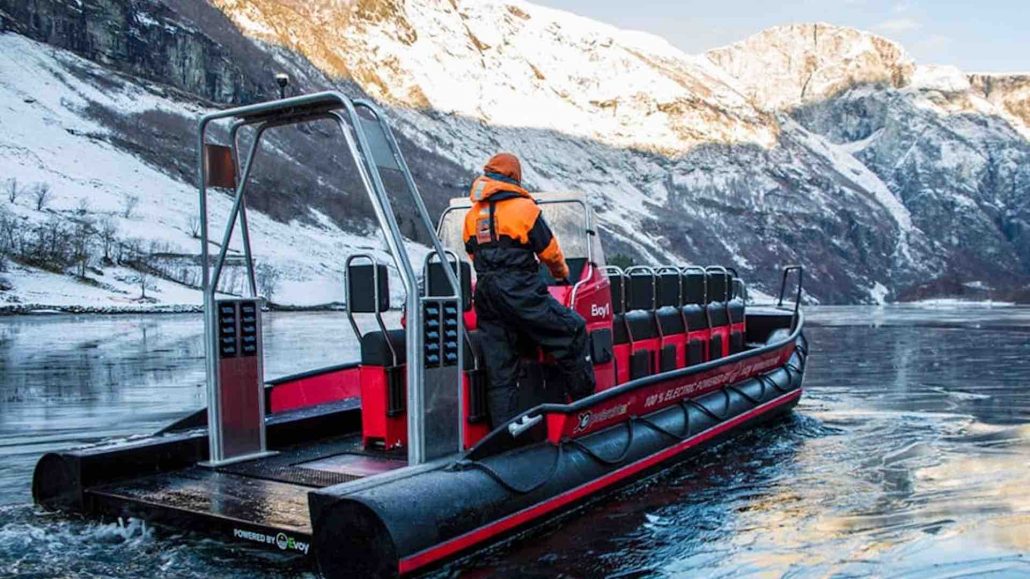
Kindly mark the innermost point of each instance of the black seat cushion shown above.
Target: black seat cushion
(671, 321)
(718, 314)
(696, 318)
(736, 311)
(642, 325)
(619, 333)
(375, 351)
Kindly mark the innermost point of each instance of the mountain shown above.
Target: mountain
(808, 144)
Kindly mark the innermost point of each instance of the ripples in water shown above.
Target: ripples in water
(908, 456)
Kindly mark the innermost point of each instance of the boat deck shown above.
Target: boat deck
(270, 493)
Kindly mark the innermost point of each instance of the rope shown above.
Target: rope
(608, 461)
(511, 487)
(745, 395)
(661, 430)
(765, 377)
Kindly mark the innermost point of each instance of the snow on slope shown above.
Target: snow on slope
(47, 136)
(514, 64)
(787, 65)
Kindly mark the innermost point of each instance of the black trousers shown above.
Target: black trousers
(513, 308)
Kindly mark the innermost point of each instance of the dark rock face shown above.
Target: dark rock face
(963, 176)
(185, 44)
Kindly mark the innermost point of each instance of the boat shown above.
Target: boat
(389, 465)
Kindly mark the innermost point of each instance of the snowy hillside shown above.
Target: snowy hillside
(811, 143)
(48, 137)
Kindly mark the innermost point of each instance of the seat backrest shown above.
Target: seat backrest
(362, 290)
(717, 286)
(617, 281)
(669, 288)
(437, 284)
(694, 285)
(641, 290)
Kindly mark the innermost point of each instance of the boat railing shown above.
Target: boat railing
(800, 269)
(372, 146)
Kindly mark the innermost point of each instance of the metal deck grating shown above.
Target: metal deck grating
(292, 465)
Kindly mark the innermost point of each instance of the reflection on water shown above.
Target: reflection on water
(908, 455)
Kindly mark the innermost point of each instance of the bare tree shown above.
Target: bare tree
(142, 262)
(41, 193)
(12, 190)
(193, 224)
(6, 250)
(267, 280)
(82, 207)
(82, 237)
(8, 232)
(108, 236)
(129, 204)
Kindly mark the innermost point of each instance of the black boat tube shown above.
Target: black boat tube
(408, 524)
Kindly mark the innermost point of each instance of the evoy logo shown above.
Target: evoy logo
(281, 540)
(600, 311)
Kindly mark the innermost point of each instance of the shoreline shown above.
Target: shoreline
(12, 310)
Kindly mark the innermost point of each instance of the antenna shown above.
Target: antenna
(283, 80)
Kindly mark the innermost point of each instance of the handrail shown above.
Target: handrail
(797, 296)
(375, 297)
(334, 106)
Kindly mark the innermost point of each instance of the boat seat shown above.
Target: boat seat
(737, 316)
(376, 352)
(696, 316)
(669, 298)
(717, 291)
(383, 390)
(645, 343)
(620, 333)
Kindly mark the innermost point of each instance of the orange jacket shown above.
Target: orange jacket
(504, 228)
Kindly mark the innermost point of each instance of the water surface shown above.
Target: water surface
(909, 455)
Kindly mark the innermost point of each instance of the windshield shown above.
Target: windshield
(567, 220)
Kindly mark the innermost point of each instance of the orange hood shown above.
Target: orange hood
(502, 173)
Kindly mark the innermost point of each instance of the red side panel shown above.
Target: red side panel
(723, 331)
(651, 345)
(473, 431)
(678, 341)
(312, 390)
(621, 354)
(376, 426)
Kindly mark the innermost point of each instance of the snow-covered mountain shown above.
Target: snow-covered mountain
(810, 143)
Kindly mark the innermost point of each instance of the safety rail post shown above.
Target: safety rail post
(797, 296)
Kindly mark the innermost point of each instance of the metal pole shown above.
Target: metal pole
(248, 255)
(395, 243)
(438, 248)
(234, 211)
(210, 348)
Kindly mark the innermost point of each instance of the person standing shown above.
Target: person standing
(505, 235)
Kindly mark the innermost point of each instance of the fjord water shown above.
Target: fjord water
(909, 455)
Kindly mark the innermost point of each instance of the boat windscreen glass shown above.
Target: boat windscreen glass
(567, 220)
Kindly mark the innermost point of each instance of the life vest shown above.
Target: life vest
(505, 229)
